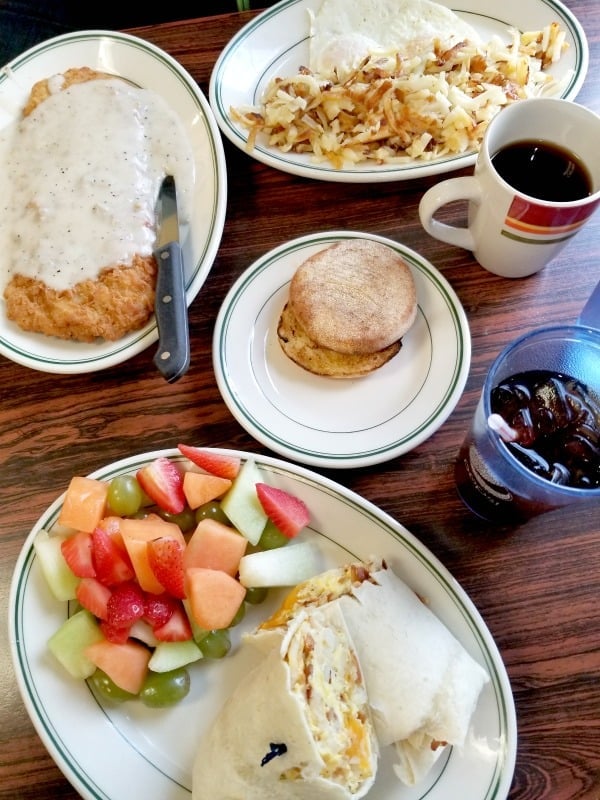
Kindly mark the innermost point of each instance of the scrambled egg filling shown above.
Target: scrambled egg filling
(317, 591)
(325, 672)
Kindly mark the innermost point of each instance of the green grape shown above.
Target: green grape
(162, 689)
(185, 520)
(272, 537)
(216, 644)
(212, 510)
(125, 495)
(108, 689)
(239, 616)
(256, 595)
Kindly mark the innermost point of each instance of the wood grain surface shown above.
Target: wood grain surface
(537, 587)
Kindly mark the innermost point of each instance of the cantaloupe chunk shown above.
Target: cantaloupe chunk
(112, 526)
(215, 546)
(214, 597)
(126, 664)
(199, 488)
(84, 504)
(136, 534)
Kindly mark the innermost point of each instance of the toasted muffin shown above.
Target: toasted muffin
(118, 301)
(349, 306)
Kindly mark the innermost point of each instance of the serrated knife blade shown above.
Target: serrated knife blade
(172, 357)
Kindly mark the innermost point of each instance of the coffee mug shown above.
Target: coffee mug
(536, 183)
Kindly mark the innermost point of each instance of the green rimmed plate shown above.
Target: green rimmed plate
(276, 44)
(338, 423)
(148, 67)
(113, 752)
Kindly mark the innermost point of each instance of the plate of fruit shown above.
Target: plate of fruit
(133, 591)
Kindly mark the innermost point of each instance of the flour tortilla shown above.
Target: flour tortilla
(422, 684)
(269, 739)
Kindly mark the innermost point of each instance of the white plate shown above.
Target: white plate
(148, 67)
(115, 753)
(338, 423)
(276, 44)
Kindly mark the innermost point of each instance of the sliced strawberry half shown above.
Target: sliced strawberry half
(219, 464)
(159, 609)
(112, 564)
(126, 604)
(77, 552)
(165, 556)
(94, 596)
(114, 633)
(163, 483)
(177, 628)
(286, 511)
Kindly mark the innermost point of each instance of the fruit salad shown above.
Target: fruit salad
(159, 565)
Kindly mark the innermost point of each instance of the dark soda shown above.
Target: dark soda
(557, 424)
(556, 420)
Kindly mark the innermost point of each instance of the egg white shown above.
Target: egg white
(343, 33)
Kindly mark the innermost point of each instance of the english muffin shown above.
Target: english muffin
(349, 306)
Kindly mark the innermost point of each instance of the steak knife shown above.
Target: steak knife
(173, 355)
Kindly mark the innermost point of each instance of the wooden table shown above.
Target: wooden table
(537, 588)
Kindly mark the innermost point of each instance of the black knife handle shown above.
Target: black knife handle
(173, 355)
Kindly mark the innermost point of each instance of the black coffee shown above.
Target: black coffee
(543, 170)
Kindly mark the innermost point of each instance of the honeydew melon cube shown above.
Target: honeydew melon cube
(69, 642)
(284, 566)
(198, 633)
(172, 655)
(143, 632)
(61, 581)
(241, 504)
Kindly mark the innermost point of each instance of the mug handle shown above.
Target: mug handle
(465, 188)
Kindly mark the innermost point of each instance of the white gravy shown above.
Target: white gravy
(81, 178)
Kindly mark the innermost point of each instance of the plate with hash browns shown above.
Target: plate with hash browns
(395, 118)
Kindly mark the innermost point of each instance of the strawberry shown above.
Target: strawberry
(286, 511)
(77, 552)
(94, 596)
(112, 565)
(125, 605)
(219, 464)
(176, 629)
(158, 609)
(114, 633)
(165, 556)
(163, 483)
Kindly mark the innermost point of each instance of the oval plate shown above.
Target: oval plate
(276, 44)
(111, 752)
(146, 66)
(338, 423)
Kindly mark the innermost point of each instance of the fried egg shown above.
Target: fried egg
(342, 33)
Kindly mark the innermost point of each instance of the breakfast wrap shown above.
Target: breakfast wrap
(297, 726)
(422, 684)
